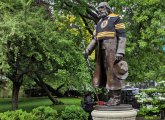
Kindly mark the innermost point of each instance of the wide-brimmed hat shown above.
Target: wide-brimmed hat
(120, 69)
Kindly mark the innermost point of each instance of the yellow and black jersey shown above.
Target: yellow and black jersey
(110, 27)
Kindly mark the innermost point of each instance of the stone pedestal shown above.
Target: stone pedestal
(112, 114)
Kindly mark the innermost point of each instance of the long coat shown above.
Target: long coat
(105, 58)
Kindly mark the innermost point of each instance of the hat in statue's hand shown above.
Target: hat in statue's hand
(120, 70)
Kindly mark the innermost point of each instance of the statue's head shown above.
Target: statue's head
(103, 9)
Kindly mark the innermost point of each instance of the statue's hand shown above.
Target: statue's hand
(119, 56)
(86, 53)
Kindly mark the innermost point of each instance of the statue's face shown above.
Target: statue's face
(102, 11)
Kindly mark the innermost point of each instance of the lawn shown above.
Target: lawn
(29, 103)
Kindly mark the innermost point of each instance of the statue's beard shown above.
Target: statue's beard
(103, 14)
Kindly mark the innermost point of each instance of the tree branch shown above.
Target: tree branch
(86, 24)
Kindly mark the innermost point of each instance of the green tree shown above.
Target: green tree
(145, 29)
(34, 47)
(22, 41)
(44, 50)
(144, 21)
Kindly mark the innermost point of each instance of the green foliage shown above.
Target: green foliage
(145, 23)
(74, 113)
(71, 112)
(52, 46)
(17, 115)
(45, 113)
(40, 45)
(152, 101)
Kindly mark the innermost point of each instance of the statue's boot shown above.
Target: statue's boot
(115, 98)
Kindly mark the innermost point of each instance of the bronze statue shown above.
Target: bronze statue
(109, 40)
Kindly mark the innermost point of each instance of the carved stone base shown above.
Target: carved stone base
(113, 113)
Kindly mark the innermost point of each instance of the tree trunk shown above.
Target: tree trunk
(42, 84)
(55, 91)
(15, 93)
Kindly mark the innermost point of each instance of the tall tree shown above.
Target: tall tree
(21, 41)
(144, 21)
(33, 46)
(145, 31)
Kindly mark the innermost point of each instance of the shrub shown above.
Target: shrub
(17, 115)
(152, 102)
(74, 113)
(45, 113)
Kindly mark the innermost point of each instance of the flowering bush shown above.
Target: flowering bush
(152, 102)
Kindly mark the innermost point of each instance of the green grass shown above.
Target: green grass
(29, 103)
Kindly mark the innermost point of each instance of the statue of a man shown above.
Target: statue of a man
(109, 40)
